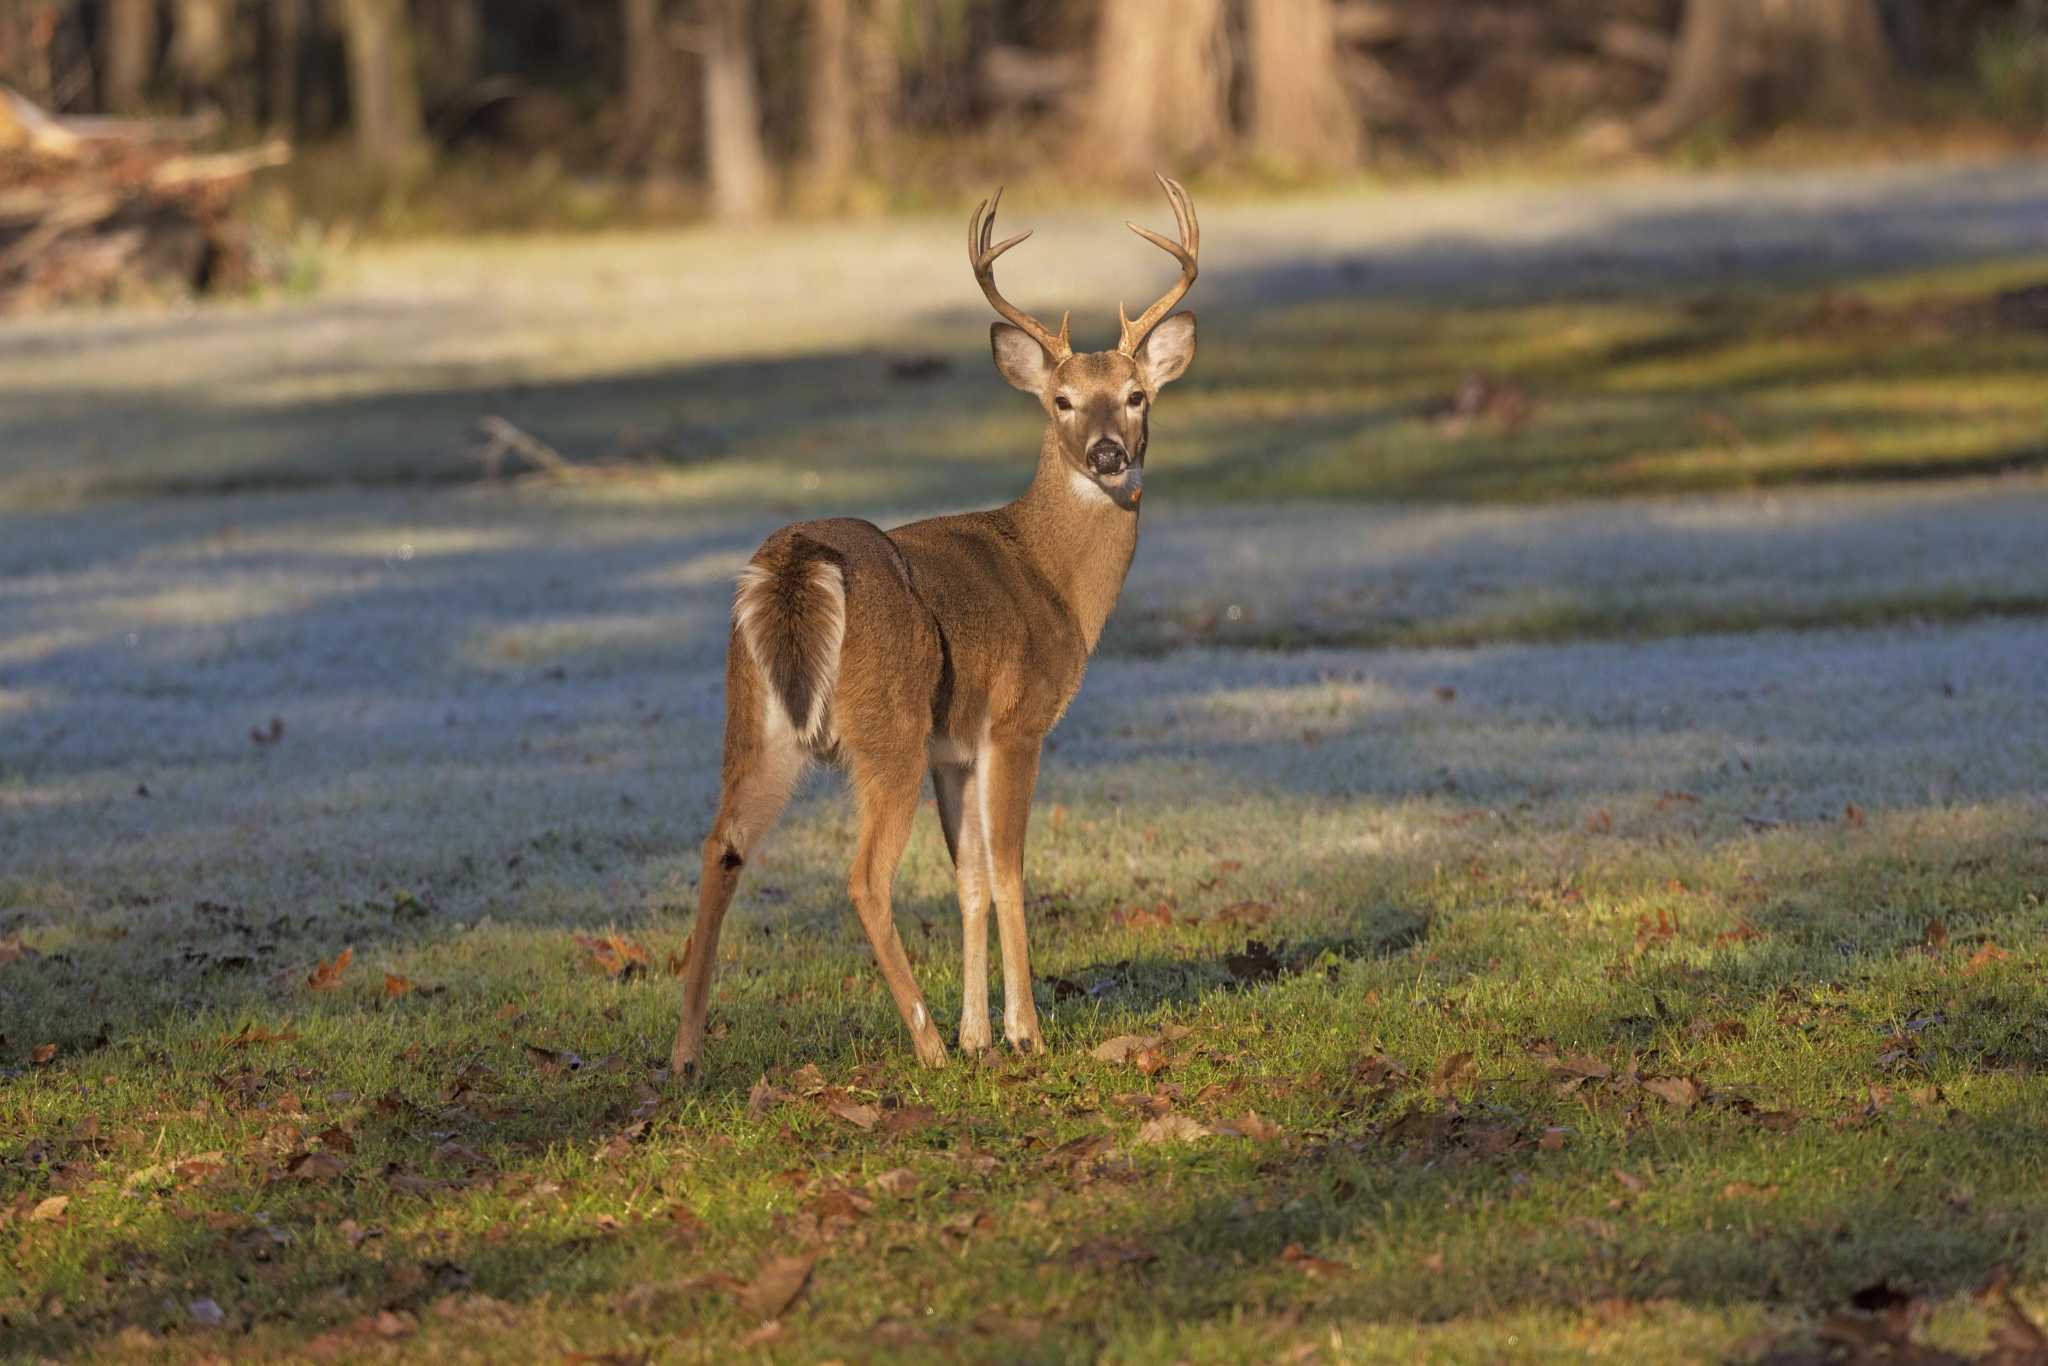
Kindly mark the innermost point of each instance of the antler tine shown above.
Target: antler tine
(981, 227)
(1186, 251)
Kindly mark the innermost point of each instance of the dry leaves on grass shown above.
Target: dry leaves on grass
(326, 975)
(776, 1284)
(1127, 1047)
(1173, 1129)
(616, 956)
(42, 1055)
(12, 950)
(1296, 1256)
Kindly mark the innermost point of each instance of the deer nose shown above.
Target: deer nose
(1108, 456)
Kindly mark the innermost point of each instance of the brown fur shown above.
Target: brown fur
(949, 646)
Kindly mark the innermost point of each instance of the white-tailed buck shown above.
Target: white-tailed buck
(950, 646)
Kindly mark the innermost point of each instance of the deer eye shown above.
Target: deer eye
(1137, 398)
(1061, 403)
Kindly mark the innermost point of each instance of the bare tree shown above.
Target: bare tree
(129, 40)
(1751, 63)
(286, 38)
(202, 49)
(384, 92)
(735, 161)
(1157, 93)
(1301, 117)
(829, 107)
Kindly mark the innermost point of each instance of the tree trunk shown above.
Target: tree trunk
(1753, 63)
(130, 54)
(829, 115)
(384, 92)
(646, 79)
(202, 50)
(287, 38)
(1157, 95)
(1301, 118)
(451, 46)
(734, 159)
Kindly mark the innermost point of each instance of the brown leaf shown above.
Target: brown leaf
(326, 975)
(897, 1181)
(550, 1063)
(1935, 936)
(808, 1080)
(49, 1209)
(764, 1096)
(395, 986)
(1258, 962)
(1172, 1129)
(1743, 932)
(613, 954)
(1251, 1126)
(1123, 1046)
(42, 1054)
(776, 1285)
(1302, 1260)
(1743, 1190)
(1683, 1092)
(1244, 913)
(1104, 1253)
(1153, 918)
(12, 950)
(907, 1119)
(1149, 1060)
(1552, 1140)
(314, 1166)
(1454, 1073)
(253, 1034)
(859, 1116)
(1984, 957)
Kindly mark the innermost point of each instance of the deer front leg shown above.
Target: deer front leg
(1007, 774)
(888, 797)
(960, 818)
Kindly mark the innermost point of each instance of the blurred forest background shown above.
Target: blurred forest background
(451, 116)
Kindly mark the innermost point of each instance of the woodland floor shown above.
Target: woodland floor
(1561, 806)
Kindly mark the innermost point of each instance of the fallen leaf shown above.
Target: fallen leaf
(12, 950)
(394, 985)
(860, 1116)
(1120, 1048)
(1302, 1260)
(764, 1095)
(777, 1284)
(1154, 918)
(1454, 1073)
(314, 1166)
(1257, 963)
(1172, 1129)
(1149, 1060)
(808, 1080)
(1984, 958)
(327, 975)
(1742, 932)
(549, 1063)
(1683, 1092)
(897, 1181)
(1244, 913)
(613, 954)
(1743, 1190)
(49, 1209)
(41, 1054)
(1250, 1126)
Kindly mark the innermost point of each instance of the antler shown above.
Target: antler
(1185, 251)
(979, 230)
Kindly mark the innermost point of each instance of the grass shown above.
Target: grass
(1860, 1108)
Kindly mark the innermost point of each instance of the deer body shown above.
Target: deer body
(949, 646)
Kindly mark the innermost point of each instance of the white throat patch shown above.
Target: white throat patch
(1086, 489)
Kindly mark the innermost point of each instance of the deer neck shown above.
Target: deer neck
(1076, 537)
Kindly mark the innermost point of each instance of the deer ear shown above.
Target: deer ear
(1165, 355)
(1019, 359)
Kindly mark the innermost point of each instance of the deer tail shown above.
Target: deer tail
(791, 612)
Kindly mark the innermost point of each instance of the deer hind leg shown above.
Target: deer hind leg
(887, 792)
(763, 760)
(1006, 775)
(960, 818)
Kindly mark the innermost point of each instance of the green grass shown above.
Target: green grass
(1866, 1108)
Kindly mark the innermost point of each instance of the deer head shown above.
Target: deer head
(1098, 403)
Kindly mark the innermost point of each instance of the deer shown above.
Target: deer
(950, 647)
